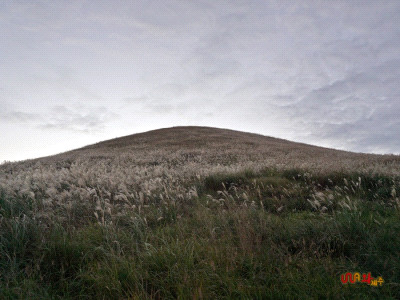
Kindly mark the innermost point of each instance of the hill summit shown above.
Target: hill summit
(218, 147)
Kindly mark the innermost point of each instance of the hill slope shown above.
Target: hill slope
(199, 213)
(226, 147)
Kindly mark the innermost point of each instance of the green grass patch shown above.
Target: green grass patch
(249, 235)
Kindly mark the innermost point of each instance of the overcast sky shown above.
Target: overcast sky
(321, 72)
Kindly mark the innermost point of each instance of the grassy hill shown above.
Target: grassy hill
(197, 212)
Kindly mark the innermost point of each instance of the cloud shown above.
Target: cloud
(19, 117)
(159, 104)
(78, 118)
(360, 111)
(135, 99)
(81, 119)
(320, 72)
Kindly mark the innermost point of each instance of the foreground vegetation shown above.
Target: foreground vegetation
(257, 233)
(199, 213)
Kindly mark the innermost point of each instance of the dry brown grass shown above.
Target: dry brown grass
(128, 173)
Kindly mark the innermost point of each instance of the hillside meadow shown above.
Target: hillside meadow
(199, 213)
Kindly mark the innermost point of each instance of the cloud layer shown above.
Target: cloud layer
(318, 72)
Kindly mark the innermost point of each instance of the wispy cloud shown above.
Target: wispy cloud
(319, 72)
(19, 117)
(358, 111)
(85, 120)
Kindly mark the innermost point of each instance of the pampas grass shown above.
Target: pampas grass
(198, 214)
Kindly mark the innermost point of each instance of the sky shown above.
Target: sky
(73, 73)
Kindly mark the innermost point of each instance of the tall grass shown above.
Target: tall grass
(264, 234)
(225, 216)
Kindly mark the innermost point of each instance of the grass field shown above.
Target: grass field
(196, 213)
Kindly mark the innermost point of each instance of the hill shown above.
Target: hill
(228, 146)
(197, 212)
